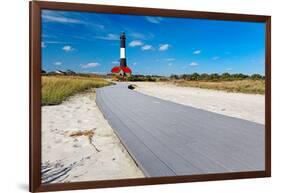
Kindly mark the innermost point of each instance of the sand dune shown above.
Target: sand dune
(245, 106)
(79, 145)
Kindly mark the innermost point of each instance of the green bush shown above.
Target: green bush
(216, 77)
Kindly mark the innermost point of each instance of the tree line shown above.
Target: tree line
(216, 77)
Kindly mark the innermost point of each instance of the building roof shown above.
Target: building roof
(117, 69)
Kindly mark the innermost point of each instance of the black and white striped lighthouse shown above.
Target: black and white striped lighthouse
(122, 70)
(123, 62)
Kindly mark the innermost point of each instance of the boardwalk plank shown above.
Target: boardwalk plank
(231, 141)
(148, 162)
(166, 138)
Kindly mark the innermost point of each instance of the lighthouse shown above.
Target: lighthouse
(122, 69)
(123, 62)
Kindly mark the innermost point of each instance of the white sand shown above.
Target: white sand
(72, 159)
(245, 106)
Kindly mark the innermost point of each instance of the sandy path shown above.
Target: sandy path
(245, 106)
(72, 159)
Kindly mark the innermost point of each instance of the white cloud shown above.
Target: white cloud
(67, 48)
(134, 63)
(109, 37)
(48, 36)
(216, 58)
(63, 18)
(115, 62)
(146, 47)
(196, 52)
(55, 42)
(102, 73)
(164, 47)
(193, 64)
(229, 69)
(155, 20)
(59, 19)
(170, 59)
(58, 63)
(43, 45)
(135, 43)
(170, 64)
(136, 35)
(96, 26)
(90, 65)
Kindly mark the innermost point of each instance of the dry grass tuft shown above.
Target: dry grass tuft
(87, 133)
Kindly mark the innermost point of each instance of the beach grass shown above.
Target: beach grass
(56, 89)
(242, 86)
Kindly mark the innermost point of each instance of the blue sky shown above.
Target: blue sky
(89, 42)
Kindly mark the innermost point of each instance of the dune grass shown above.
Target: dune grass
(243, 86)
(56, 89)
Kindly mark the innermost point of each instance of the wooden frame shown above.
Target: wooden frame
(35, 95)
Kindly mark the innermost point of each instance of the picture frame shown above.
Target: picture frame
(35, 7)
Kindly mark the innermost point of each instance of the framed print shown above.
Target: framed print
(123, 96)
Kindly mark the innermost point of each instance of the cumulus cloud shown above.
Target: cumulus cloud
(196, 52)
(55, 42)
(102, 73)
(154, 20)
(164, 47)
(169, 59)
(193, 64)
(67, 48)
(115, 62)
(142, 36)
(146, 47)
(90, 65)
(216, 58)
(58, 63)
(229, 69)
(43, 45)
(109, 37)
(135, 43)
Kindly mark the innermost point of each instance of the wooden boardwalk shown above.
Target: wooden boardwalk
(167, 139)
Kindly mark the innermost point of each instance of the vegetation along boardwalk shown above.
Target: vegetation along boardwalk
(167, 139)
